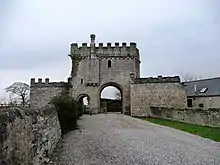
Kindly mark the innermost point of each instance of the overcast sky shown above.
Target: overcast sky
(174, 36)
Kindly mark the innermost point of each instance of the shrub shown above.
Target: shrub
(68, 111)
(80, 109)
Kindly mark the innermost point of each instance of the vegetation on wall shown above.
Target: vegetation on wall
(68, 109)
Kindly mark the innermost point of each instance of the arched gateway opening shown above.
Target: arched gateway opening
(111, 98)
(84, 99)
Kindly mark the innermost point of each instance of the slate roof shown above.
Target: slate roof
(212, 85)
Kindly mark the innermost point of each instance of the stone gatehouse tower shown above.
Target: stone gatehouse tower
(95, 67)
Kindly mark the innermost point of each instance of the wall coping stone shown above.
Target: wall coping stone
(159, 79)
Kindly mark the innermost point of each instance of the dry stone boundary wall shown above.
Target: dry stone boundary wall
(210, 117)
(28, 136)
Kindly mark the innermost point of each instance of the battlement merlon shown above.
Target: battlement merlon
(47, 83)
(76, 50)
(131, 45)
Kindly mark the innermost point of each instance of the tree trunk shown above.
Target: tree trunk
(23, 100)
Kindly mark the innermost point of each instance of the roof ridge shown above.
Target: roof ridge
(202, 79)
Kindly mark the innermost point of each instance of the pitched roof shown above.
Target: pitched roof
(204, 87)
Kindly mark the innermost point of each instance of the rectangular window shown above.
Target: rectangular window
(81, 81)
(109, 64)
(189, 102)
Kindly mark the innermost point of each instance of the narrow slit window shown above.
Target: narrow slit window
(109, 64)
(81, 81)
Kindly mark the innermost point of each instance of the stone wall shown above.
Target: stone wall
(41, 93)
(161, 91)
(90, 69)
(210, 117)
(28, 136)
(208, 102)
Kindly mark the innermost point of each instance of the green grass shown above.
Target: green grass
(203, 131)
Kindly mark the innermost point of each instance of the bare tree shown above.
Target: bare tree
(118, 95)
(189, 77)
(21, 90)
(13, 100)
(2, 102)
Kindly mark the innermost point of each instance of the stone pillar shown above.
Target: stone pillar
(94, 108)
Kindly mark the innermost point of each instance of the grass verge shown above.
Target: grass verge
(203, 131)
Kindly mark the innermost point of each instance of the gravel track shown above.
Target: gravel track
(115, 139)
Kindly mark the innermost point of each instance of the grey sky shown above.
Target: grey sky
(174, 36)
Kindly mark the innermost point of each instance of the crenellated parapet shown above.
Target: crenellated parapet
(104, 51)
(159, 79)
(42, 92)
(47, 83)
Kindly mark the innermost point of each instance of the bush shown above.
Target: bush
(68, 111)
(80, 109)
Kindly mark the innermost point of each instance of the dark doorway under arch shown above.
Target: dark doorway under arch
(111, 98)
(83, 100)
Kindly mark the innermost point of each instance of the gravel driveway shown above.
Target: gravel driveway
(109, 139)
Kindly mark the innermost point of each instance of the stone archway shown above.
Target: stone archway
(108, 103)
(84, 106)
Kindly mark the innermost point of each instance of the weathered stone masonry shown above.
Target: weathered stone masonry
(93, 68)
(96, 67)
(41, 92)
(28, 136)
(161, 92)
(208, 101)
